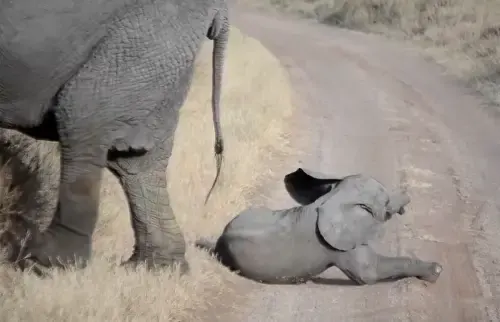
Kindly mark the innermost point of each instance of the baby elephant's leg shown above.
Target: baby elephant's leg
(365, 266)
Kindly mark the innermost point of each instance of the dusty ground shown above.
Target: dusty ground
(462, 35)
(254, 128)
(370, 105)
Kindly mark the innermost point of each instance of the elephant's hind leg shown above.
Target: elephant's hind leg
(364, 266)
(159, 241)
(67, 240)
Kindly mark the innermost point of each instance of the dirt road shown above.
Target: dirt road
(369, 105)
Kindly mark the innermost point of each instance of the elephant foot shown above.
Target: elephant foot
(29, 265)
(57, 247)
(434, 272)
(155, 264)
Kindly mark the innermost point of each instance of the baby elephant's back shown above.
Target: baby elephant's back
(258, 218)
(264, 244)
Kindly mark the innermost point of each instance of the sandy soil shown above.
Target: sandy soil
(373, 106)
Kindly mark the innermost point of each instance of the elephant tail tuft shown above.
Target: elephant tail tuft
(206, 244)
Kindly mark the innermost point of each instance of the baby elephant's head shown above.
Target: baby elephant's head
(374, 197)
(349, 209)
(363, 191)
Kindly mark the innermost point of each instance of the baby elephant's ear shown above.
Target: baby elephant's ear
(344, 227)
(306, 186)
(397, 201)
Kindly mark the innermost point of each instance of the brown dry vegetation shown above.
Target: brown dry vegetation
(462, 35)
(256, 104)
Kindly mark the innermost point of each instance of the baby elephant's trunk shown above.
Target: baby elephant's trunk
(397, 202)
(219, 33)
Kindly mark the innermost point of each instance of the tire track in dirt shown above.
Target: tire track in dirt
(469, 287)
(426, 180)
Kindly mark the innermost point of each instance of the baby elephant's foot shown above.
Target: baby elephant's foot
(155, 264)
(433, 273)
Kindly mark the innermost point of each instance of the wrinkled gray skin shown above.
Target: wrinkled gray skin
(106, 79)
(333, 227)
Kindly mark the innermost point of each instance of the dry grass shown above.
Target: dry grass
(255, 109)
(462, 35)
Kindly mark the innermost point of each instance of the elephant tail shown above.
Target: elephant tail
(219, 33)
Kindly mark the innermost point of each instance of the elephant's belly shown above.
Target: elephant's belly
(46, 130)
(273, 259)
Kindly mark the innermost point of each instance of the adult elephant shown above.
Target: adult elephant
(106, 79)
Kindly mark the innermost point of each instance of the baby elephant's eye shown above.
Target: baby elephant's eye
(366, 208)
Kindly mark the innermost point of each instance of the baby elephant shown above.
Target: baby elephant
(332, 227)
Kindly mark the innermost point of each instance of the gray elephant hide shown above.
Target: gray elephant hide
(106, 80)
(332, 227)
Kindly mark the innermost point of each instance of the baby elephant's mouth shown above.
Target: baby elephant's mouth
(388, 214)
